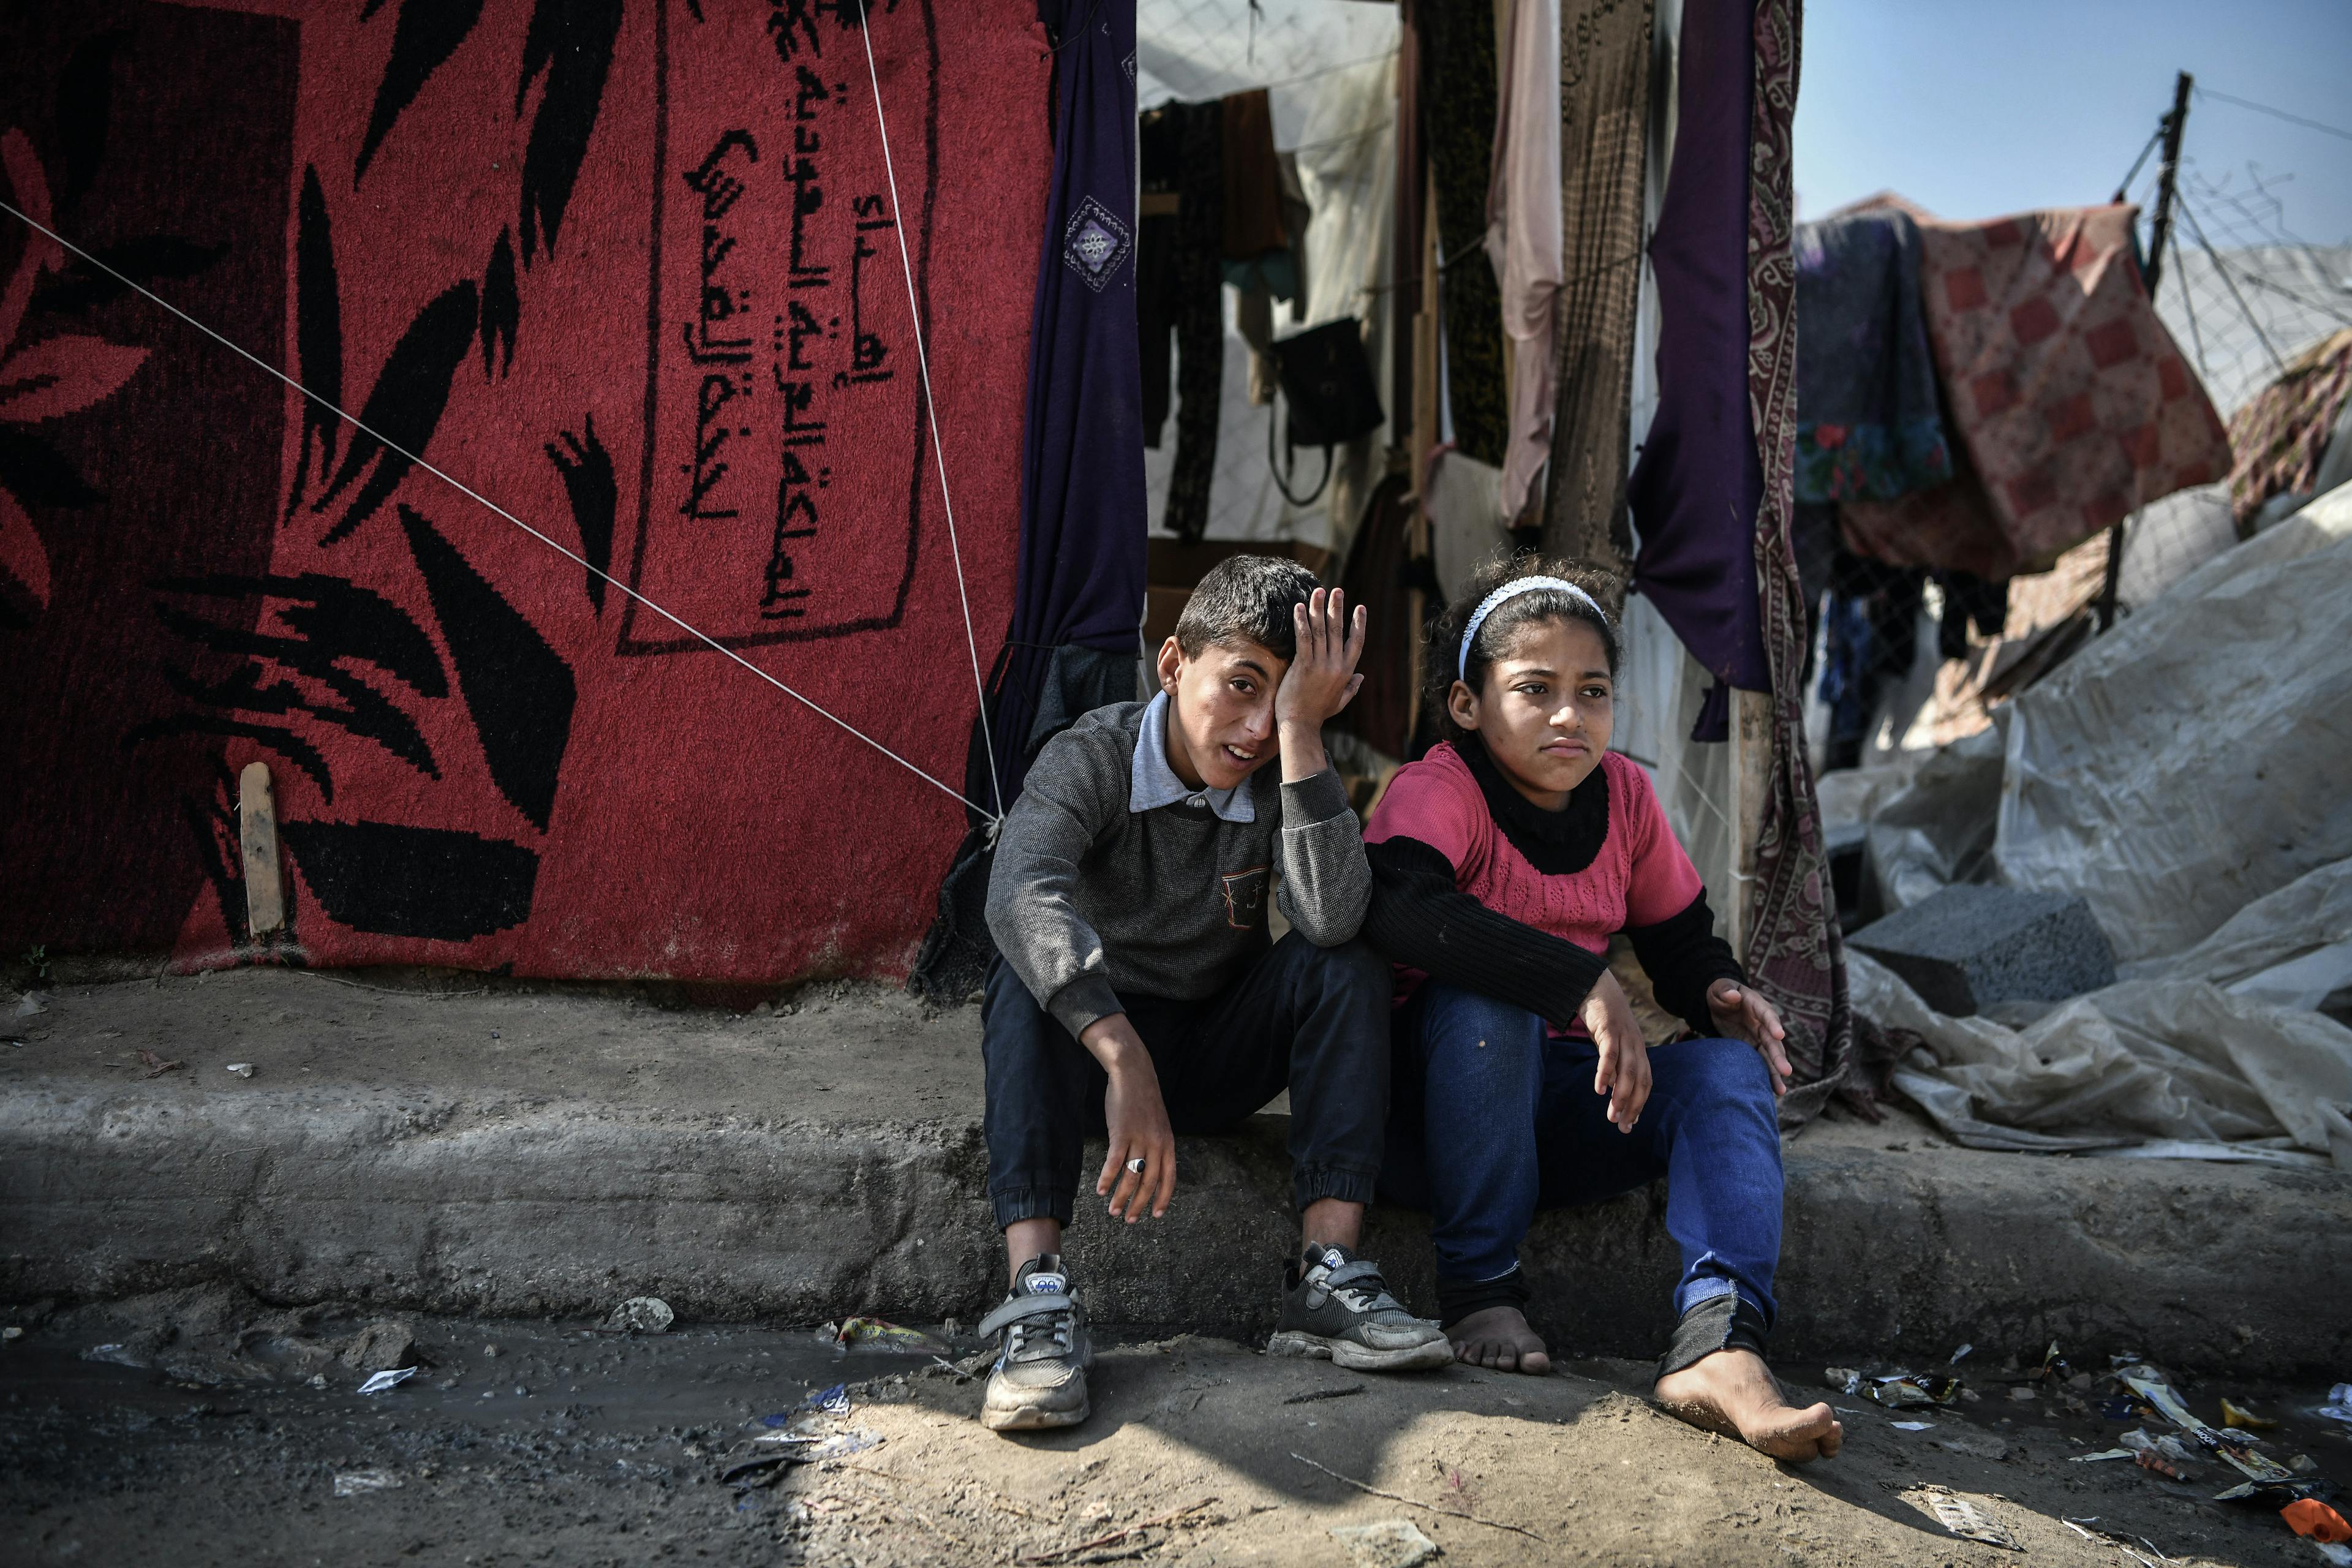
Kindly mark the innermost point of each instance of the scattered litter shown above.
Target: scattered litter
(641, 1314)
(2123, 1407)
(31, 1005)
(317, 1380)
(2103, 1453)
(2238, 1415)
(2304, 1464)
(780, 1450)
(1898, 1390)
(1386, 1543)
(1907, 1391)
(2023, 1392)
(2115, 1540)
(2313, 1519)
(351, 1483)
(242, 1070)
(1913, 1425)
(2232, 1448)
(113, 1356)
(1311, 1395)
(842, 1444)
(878, 1334)
(2339, 1555)
(1965, 1519)
(1957, 1354)
(384, 1381)
(10, 1333)
(834, 1400)
(2339, 1406)
(2164, 1455)
(156, 1066)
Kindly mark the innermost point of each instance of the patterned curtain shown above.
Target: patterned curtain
(1795, 956)
(1604, 103)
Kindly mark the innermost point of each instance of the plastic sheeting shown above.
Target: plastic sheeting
(2186, 775)
(2193, 760)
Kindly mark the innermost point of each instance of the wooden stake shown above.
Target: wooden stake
(1751, 786)
(256, 813)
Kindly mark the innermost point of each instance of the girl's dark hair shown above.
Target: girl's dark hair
(1520, 610)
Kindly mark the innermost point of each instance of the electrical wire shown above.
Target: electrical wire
(469, 492)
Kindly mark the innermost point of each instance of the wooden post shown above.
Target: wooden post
(2160, 232)
(256, 815)
(1751, 791)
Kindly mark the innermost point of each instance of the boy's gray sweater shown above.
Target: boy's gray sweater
(1088, 898)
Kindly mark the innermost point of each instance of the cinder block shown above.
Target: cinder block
(1969, 947)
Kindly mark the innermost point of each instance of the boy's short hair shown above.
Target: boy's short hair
(1245, 598)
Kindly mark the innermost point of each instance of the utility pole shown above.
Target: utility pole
(2159, 234)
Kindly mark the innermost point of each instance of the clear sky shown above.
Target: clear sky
(1975, 107)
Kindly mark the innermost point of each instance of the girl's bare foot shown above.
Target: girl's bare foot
(1499, 1337)
(1732, 1392)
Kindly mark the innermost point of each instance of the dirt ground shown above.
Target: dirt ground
(552, 1442)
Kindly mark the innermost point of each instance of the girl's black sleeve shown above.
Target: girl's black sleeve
(1419, 917)
(1682, 956)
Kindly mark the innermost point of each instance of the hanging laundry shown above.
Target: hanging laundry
(1695, 489)
(1269, 276)
(1523, 234)
(1604, 102)
(2071, 401)
(2281, 435)
(1969, 601)
(1459, 78)
(1180, 260)
(1251, 225)
(1872, 637)
(1868, 428)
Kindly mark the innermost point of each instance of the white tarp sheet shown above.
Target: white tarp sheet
(2190, 775)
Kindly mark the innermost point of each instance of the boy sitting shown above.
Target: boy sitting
(1136, 994)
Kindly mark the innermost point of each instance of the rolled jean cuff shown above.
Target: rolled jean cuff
(1016, 1203)
(1724, 1321)
(1313, 1183)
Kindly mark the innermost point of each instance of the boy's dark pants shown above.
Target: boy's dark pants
(1313, 1020)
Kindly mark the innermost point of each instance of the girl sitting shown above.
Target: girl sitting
(1502, 862)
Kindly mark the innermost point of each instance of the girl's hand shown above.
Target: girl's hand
(1742, 1013)
(1624, 1070)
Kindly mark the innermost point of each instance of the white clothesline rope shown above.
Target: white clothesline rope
(469, 491)
(931, 409)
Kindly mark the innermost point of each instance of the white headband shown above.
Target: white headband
(1511, 590)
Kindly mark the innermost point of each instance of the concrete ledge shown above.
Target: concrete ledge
(798, 1167)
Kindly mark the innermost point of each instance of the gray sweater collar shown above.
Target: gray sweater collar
(1152, 784)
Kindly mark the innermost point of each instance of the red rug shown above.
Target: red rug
(631, 270)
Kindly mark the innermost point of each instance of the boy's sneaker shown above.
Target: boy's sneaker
(1338, 1306)
(1040, 1376)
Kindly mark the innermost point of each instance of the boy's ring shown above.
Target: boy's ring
(1136, 1165)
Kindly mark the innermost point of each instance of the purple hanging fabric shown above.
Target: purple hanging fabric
(1695, 486)
(1079, 600)
(1082, 506)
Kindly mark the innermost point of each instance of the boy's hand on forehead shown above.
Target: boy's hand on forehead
(1322, 677)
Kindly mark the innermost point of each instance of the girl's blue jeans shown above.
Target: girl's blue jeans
(1493, 1118)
